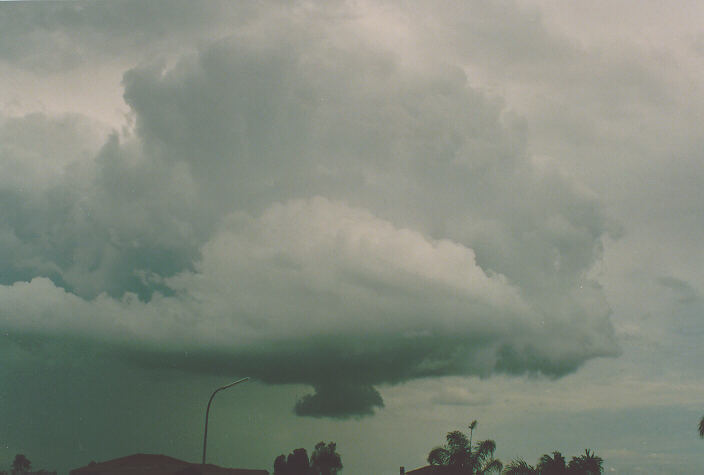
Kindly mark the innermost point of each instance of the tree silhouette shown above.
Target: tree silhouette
(459, 454)
(21, 464)
(296, 463)
(472, 426)
(520, 467)
(587, 464)
(280, 467)
(555, 465)
(325, 460)
(701, 427)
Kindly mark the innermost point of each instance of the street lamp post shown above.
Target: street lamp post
(207, 411)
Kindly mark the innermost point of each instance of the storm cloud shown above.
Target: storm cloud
(297, 203)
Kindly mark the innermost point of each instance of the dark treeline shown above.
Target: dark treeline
(324, 461)
(586, 464)
(460, 456)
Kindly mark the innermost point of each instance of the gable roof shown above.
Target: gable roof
(433, 470)
(150, 464)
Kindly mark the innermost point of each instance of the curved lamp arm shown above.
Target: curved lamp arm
(207, 411)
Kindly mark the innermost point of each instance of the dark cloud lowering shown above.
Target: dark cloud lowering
(302, 206)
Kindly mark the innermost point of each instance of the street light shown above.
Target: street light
(207, 411)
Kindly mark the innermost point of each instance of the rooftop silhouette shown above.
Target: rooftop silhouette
(149, 464)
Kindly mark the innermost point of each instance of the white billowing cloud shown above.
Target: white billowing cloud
(311, 279)
(263, 279)
(300, 202)
(319, 267)
(475, 124)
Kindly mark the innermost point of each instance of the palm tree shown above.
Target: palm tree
(587, 464)
(472, 426)
(459, 454)
(701, 427)
(520, 467)
(554, 465)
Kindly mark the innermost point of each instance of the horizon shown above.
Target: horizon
(394, 218)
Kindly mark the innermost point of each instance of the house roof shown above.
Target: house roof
(149, 464)
(432, 470)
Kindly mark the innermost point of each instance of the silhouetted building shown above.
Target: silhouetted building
(431, 470)
(146, 464)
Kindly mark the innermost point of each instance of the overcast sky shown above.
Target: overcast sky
(394, 217)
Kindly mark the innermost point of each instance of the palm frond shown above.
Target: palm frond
(552, 464)
(519, 467)
(438, 456)
(457, 439)
(588, 463)
(494, 465)
(458, 457)
(485, 448)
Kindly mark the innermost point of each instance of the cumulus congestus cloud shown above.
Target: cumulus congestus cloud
(317, 292)
(316, 212)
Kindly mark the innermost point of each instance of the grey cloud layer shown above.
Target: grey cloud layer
(54, 37)
(300, 205)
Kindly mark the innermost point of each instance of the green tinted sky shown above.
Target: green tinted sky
(395, 219)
